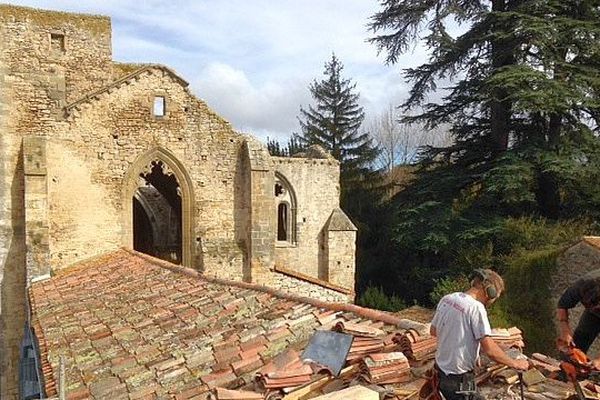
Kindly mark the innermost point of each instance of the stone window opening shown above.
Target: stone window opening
(285, 202)
(283, 219)
(159, 108)
(278, 190)
(57, 43)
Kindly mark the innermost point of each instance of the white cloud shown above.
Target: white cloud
(266, 110)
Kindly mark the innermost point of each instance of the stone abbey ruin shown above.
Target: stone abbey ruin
(96, 155)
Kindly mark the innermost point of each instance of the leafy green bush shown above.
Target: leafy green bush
(529, 233)
(375, 297)
(526, 302)
(527, 251)
(448, 285)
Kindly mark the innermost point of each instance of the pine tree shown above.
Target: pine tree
(334, 122)
(523, 98)
(289, 150)
(521, 95)
(274, 148)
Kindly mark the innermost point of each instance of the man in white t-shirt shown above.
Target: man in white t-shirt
(462, 327)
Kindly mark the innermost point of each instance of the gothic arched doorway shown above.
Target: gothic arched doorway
(158, 201)
(157, 214)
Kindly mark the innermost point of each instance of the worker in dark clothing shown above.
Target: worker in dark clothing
(586, 291)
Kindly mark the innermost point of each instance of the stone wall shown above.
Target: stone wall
(289, 284)
(575, 262)
(68, 54)
(261, 221)
(341, 250)
(205, 145)
(315, 182)
(321, 248)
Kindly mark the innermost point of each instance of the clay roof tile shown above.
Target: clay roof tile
(140, 322)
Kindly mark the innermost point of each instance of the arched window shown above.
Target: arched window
(285, 201)
(282, 222)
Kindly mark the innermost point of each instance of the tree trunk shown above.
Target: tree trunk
(500, 107)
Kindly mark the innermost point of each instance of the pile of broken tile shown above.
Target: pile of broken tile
(373, 361)
(388, 363)
(392, 367)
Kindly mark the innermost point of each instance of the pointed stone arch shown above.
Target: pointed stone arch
(289, 200)
(171, 166)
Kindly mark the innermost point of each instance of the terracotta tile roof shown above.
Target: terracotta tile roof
(592, 240)
(130, 326)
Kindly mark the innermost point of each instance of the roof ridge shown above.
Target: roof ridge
(94, 94)
(364, 312)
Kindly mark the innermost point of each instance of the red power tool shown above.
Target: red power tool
(576, 365)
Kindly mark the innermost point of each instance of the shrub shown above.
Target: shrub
(448, 285)
(375, 297)
(526, 303)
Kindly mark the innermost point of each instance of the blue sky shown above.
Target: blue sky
(252, 60)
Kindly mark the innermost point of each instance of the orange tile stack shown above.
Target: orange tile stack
(367, 339)
(418, 348)
(294, 376)
(385, 368)
(286, 370)
(507, 338)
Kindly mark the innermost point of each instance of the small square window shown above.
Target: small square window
(57, 43)
(159, 106)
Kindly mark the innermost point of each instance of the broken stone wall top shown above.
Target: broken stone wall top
(69, 52)
(97, 24)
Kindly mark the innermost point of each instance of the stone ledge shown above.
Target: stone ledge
(314, 281)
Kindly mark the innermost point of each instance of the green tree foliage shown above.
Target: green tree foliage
(375, 297)
(277, 149)
(334, 122)
(448, 285)
(521, 98)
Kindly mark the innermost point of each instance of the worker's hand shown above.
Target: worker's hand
(566, 336)
(596, 363)
(521, 365)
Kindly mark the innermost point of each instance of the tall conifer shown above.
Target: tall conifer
(334, 122)
(519, 87)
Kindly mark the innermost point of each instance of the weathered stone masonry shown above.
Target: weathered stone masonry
(80, 134)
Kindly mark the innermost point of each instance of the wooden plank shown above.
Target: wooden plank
(357, 392)
(299, 393)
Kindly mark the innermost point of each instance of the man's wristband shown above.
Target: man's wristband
(563, 320)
